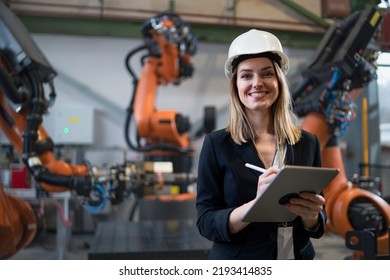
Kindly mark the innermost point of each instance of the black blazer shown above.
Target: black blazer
(224, 183)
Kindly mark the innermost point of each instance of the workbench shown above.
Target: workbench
(149, 240)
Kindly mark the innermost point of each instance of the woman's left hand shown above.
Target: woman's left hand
(308, 206)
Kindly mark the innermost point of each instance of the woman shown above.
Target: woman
(263, 131)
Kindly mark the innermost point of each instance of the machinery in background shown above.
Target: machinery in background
(163, 136)
(26, 93)
(344, 63)
(365, 242)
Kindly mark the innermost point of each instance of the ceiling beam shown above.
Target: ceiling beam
(131, 29)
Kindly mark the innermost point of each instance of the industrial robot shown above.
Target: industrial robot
(343, 64)
(166, 136)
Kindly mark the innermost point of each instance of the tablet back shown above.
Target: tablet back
(289, 182)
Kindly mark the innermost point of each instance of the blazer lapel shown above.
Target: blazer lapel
(247, 152)
(289, 155)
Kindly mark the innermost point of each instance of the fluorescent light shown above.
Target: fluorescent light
(384, 59)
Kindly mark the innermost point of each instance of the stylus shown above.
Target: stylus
(254, 167)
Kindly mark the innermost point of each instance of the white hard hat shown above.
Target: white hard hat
(255, 42)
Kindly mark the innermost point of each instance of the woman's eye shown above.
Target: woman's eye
(268, 74)
(245, 76)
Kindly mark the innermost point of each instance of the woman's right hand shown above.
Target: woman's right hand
(235, 219)
(265, 179)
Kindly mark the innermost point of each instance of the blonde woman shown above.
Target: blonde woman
(262, 130)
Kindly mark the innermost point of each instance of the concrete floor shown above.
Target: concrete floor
(44, 248)
(330, 247)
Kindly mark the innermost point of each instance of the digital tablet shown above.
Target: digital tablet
(289, 182)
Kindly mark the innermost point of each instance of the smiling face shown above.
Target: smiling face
(257, 84)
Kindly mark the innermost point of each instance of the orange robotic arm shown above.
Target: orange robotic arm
(170, 45)
(24, 72)
(343, 60)
(17, 224)
(37, 155)
(340, 195)
(22, 126)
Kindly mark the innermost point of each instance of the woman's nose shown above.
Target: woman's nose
(257, 82)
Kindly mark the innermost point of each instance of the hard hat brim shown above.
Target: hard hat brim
(284, 64)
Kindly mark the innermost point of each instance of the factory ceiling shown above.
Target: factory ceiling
(299, 23)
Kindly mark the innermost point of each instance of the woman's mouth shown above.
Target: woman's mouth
(258, 94)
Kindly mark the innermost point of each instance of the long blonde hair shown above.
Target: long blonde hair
(284, 125)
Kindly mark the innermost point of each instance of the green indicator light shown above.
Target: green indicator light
(66, 130)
